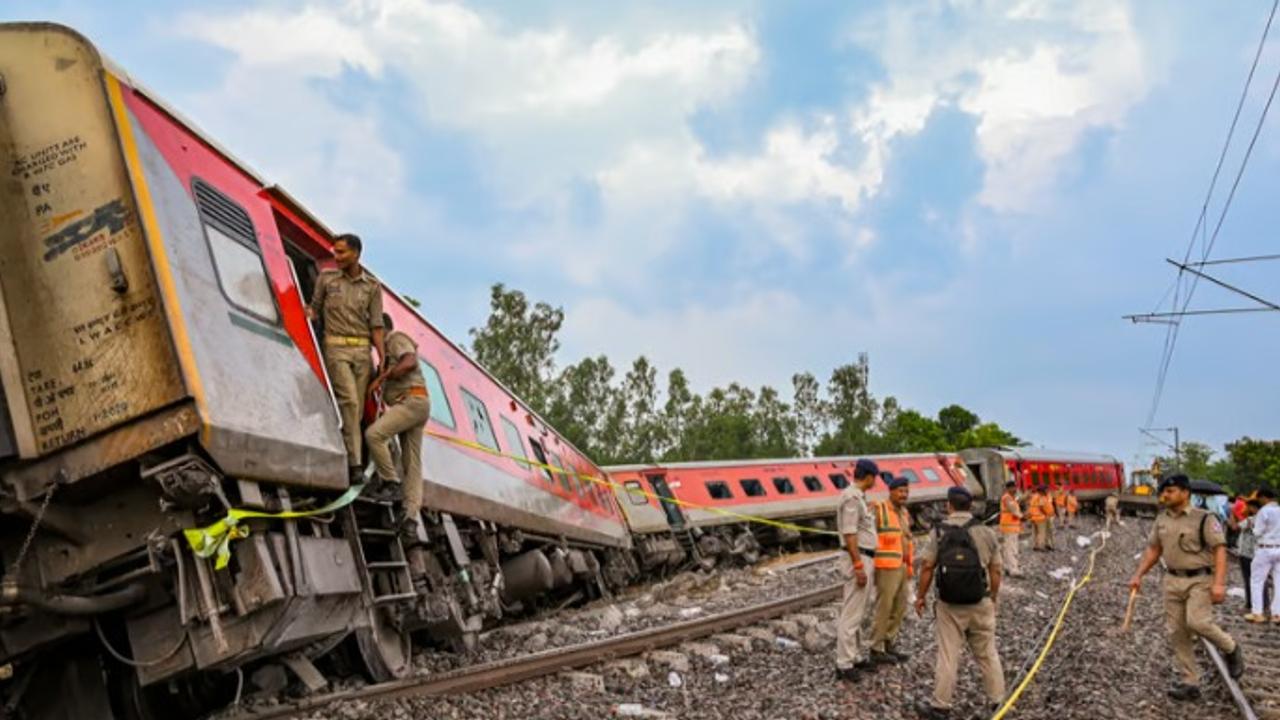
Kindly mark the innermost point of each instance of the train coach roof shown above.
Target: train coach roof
(838, 462)
(1052, 455)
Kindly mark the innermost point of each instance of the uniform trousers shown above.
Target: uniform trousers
(1188, 611)
(975, 626)
(1266, 563)
(1009, 552)
(406, 419)
(349, 368)
(1048, 535)
(1041, 537)
(892, 591)
(850, 641)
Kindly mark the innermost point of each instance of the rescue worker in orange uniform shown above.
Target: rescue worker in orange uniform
(1010, 529)
(1073, 508)
(894, 563)
(1060, 506)
(1038, 512)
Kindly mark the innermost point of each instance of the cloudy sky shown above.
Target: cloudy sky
(973, 192)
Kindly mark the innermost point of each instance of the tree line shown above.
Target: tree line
(634, 418)
(1245, 464)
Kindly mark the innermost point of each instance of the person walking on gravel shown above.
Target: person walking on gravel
(1194, 549)
(1112, 505)
(894, 569)
(1010, 528)
(964, 555)
(1039, 510)
(1266, 556)
(858, 532)
(1073, 508)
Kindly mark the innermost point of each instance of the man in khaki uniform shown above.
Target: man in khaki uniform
(1038, 511)
(1113, 509)
(404, 394)
(858, 530)
(894, 569)
(956, 623)
(1194, 549)
(349, 303)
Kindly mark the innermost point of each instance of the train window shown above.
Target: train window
(237, 259)
(910, 475)
(558, 464)
(514, 446)
(839, 480)
(479, 420)
(812, 483)
(541, 456)
(751, 487)
(1036, 479)
(440, 410)
(635, 492)
(719, 490)
(930, 474)
(784, 486)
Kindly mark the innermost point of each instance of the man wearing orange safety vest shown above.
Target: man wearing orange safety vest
(1073, 508)
(1060, 506)
(894, 561)
(1010, 529)
(1039, 511)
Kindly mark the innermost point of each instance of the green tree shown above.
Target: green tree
(809, 411)
(518, 344)
(775, 426)
(644, 437)
(1257, 462)
(853, 411)
(582, 399)
(955, 422)
(988, 435)
(909, 431)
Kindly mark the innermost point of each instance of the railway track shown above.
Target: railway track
(504, 672)
(1257, 694)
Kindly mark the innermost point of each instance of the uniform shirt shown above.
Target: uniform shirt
(398, 345)
(1178, 537)
(1113, 502)
(856, 519)
(984, 537)
(1009, 503)
(1266, 526)
(348, 306)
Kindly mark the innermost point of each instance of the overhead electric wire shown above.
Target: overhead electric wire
(1171, 335)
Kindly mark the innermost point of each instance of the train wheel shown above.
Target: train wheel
(386, 651)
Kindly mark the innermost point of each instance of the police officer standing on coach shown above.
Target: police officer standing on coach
(404, 393)
(964, 554)
(1010, 528)
(858, 531)
(894, 560)
(1194, 550)
(349, 303)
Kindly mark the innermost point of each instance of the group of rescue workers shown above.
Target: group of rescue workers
(347, 304)
(966, 561)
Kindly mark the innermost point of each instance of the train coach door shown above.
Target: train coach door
(675, 518)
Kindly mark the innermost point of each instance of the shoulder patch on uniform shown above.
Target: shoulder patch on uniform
(1215, 525)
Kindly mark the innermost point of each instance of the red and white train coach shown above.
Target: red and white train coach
(157, 368)
(1091, 476)
(701, 508)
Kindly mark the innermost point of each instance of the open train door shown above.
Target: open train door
(675, 518)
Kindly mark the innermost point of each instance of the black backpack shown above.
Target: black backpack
(961, 578)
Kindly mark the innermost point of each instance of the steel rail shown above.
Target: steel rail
(547, 662)
(1242, 702)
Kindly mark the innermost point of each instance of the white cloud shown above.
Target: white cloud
(1037, 75)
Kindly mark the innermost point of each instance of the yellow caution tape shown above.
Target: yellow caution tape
(215, 540)
(1053, 636)
(632, 491)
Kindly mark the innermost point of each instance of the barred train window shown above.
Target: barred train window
(237, 259)
(635, 492)
(719, 490)
(930, 475)
(910, 475)
(783, 485)
(751, 487)
(514, 445)
(480, 420)
(812, 483)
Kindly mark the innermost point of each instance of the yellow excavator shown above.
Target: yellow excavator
(1139, 495)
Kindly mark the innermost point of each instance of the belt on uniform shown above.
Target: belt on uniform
(346, 340)
(1194, 572)
(1269, 547)
(415, 391)
(868, 553)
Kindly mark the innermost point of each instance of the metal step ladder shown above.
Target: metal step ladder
(383, 562)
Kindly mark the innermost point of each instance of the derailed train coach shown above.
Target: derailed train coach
(157, 370)
(723, 510)
(1091, 476)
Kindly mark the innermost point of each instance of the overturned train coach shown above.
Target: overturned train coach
(1091, 476)
(157, 369)
(717, 510)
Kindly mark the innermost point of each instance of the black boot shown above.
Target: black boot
(883, 658)
(847, 674)
(1235, 662)
(1184, 692)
